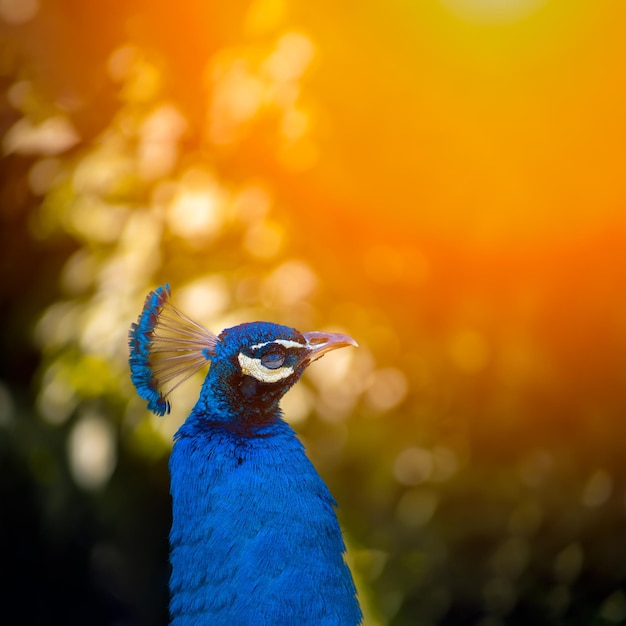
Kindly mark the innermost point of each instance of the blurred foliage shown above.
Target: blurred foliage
(474, 441)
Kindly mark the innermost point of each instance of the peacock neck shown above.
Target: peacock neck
(254, 533)
(241, 405)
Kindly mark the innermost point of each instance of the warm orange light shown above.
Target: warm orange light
(492, 11)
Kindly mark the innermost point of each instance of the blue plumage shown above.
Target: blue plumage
(254, 539)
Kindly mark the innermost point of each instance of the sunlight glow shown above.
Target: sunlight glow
(121, 61)
(102, 329)
(42, 175)
(196, 210)
(158, 148)
(237, 96)
(79, 272)
(289, 284)
(104, 169)
(264, 239)
(252, 203)
(18, 11)
(264, 15)
(291, 57)
(387, 389)
(493, 11)
(92, 451)
(57, 398)
(52, 136)
(295, 124)
(57, 325)
(91, 218)
(204, 298)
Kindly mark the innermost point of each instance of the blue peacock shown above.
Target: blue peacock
(254, 538)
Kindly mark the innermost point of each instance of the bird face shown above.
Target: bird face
(263, 360)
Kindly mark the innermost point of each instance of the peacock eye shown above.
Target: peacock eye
(273, 360)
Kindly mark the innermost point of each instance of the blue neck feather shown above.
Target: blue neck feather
(254, 539)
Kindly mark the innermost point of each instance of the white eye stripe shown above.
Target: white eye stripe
(254, 367)
(286, 343)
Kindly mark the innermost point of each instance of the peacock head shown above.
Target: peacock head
(252, 364)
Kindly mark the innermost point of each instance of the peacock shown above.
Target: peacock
(254, 539)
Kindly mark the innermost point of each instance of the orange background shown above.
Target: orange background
(442, 180)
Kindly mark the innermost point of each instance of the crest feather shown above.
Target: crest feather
(166, 348)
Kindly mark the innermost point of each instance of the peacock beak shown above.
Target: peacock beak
(321, 343)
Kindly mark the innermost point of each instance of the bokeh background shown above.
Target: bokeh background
(445, 181)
